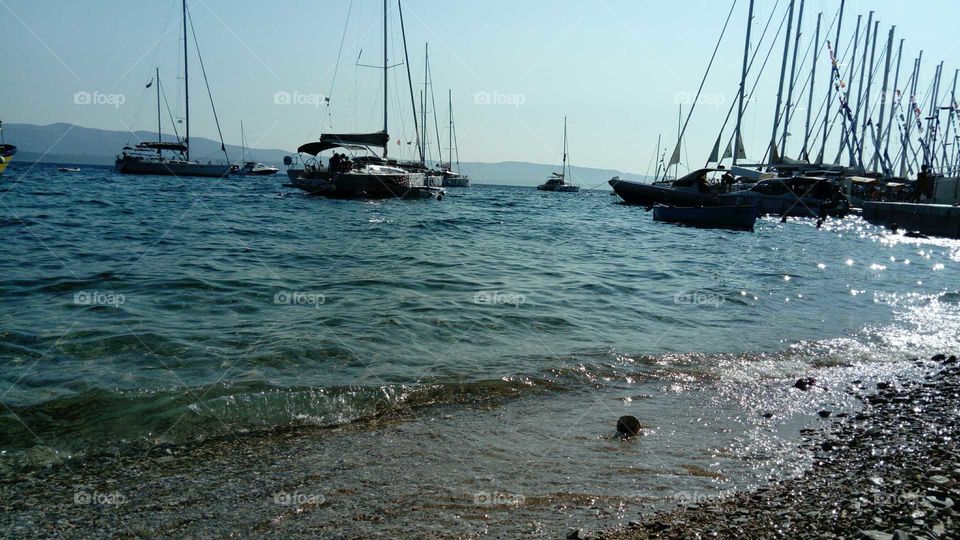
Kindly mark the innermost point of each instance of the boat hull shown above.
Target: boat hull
(724, 217)
(650, 195)
(171, 168)
(358, 185)
(3, 164)
(456, 182)
(802, 207)
(6, 156)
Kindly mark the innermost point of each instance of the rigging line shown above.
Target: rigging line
(169, 112)
(336, 69)
(753, 57)
(206, 82)
(805, 56)
(840, 60)
(703, 81)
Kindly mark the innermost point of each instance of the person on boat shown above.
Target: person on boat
(922, 187)
(727, 180)
(335, 162)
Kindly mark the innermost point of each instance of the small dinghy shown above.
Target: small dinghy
(68, 169)
(724, 217)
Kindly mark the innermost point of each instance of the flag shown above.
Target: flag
(741, 153)
(715, 153)
(675, 158)
(149, 84)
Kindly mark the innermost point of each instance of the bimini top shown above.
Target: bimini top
(334, 140)
(698, 177)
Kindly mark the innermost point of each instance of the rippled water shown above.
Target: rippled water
(138, 310)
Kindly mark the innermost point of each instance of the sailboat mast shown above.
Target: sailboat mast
(805, 153)
(159, 122)
(186, 81)
(866, 92)
(386, 86)
(793, 76)
(243, 144)
(413, 102)
(830, 82)
(743, 91)
(659, 161)
(884, 97)
(450, 113)
(783, 73)
(564, 148)
(893, 110)
(423, 99)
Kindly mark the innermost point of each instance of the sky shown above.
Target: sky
(617, 69)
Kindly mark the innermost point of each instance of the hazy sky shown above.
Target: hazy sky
(616, 68)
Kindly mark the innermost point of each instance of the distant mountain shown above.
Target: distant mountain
(67, 143)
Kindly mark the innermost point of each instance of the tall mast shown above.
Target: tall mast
(884, 97)
(659, 161)
(846, 95)
(450, 136)
(413, 101)
(159, 124)
(386, 86)
(893, 110)
(743, 90)
(564, 148)
(928, 151)
(945, 160)
(186, 81)
(243, 144)
(423, 99)
(909, 119)
(783, 73)
(833, 70)
(863, 71)
(866, 98)
(805, 153)
(793, 73)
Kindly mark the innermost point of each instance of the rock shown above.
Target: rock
(805, 383)
(939, 479)
(628, 426)
(574, 534)
(768, 415)
(824, 414)
(874, 535)
(900, 535)
(883, 385)
(939, 357)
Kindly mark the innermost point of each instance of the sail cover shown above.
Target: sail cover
(333, 140)
(171, 146)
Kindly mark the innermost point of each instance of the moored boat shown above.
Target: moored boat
(799, 196)
(68, 169)
(725, 217)
(6, 152)
(558, 180)
(690, 190)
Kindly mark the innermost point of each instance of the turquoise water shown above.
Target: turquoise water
(138, 310)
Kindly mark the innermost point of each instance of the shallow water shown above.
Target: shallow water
(140, 310)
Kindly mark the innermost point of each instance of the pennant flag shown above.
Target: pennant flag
(741, 153)
(715, 153)
(149, 84)
(728, 152)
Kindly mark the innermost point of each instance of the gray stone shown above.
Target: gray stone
(875, 535)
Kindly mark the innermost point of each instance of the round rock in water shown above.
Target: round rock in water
(628, 426)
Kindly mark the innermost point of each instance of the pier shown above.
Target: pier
(929, 219)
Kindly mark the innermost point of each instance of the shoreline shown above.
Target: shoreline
(891, 471)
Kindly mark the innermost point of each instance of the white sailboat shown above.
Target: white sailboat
(250, 167)
(558, 181)
(451, 178)
(149, 158)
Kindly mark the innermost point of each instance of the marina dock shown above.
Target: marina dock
(929, 219)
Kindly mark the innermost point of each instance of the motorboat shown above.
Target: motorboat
(690, 190)
(725, 217)
(254, 168)
(68, 169)
(798, 196)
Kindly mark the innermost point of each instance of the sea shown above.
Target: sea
(455, 367)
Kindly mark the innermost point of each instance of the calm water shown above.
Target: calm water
(140, 310)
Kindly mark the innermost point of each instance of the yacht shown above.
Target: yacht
(558, 181)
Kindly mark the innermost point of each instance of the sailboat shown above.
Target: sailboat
(6, 152)
(366, 176)
(149, 158)
(250, 168)
(450, 178)
(558, 181)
